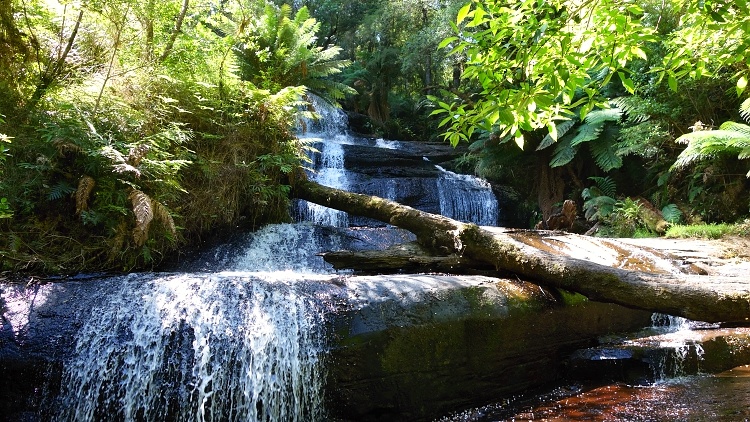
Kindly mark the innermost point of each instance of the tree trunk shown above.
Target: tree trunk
(697, 297)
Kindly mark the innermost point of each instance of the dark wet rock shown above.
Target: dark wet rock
(416, 347)
(402, 347)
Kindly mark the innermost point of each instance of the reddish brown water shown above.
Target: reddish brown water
(724, 397)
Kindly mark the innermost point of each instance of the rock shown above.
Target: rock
(404, 347)
(416, 347)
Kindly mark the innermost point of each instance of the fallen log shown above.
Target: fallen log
(697, 297)
(405, 258)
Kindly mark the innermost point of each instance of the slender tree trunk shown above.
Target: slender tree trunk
(176, 31)
(55, 69)
(702, 298)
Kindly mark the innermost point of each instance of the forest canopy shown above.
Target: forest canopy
(130, 130)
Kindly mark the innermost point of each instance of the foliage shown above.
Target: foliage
(279, 51)
(731, 138)
(599, 200)
(708, 231)
(134, 135)
(594, 131)
(671, 213)
(531, 60)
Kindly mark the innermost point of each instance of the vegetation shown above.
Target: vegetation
(137, 128)
(708, 231)
(601, 89)
(130, 130)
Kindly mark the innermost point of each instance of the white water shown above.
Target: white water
(197, 348)
(466, 198)
(329, 172)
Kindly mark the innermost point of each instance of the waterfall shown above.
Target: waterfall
(240, 337)
(197, 348)
(329, 171)
(466, 198)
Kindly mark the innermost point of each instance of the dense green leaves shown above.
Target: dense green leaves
(540, 62)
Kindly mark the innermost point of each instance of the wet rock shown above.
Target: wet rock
(418, 347)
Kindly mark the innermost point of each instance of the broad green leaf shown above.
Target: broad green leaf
(552, 131)
(463, 13)
(626, 82)
(635, 50)
(446, 41)
(672, 81)
(741, 85)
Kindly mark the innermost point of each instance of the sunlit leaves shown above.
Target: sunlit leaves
(537, 62)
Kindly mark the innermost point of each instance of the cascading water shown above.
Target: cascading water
(188, 347)
(466, 198)
(461, 197)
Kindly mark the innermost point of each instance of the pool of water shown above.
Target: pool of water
(722, 397)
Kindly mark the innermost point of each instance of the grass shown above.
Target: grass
(708, 231)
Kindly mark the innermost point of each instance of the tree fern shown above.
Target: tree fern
(562, 129)
(606, 185)
(279, 51)
(605, 154)
(731, 138)
(60, 190)
(671, 213)
(745, 110)
(604, 115)
(564, 153)
(587, 132)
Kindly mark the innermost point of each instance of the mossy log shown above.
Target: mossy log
(405, 258)
(697, 297)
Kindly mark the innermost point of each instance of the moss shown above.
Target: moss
(569, 298)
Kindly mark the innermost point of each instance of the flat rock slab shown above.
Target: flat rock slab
(728, 256)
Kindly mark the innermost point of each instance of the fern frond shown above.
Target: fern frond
(85, 186)
(161, 213)
(606, 185)
(633, 107)
(564, 153)
(587, 132)
(745, 110)
(126, 168)
(605, 155)
(144, 213)
(671, 213)
(605, 115)
(59, 190)
(736, 127)
(705, 144)
(562, 128)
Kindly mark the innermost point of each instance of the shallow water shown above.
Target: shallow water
(723, 397)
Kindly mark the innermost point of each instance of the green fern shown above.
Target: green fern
(602, 116)
(671, 213)
(745, 110)
(587, 132)
(730, 138)
(279, 50)
(562, 129)
(599, 200)
(60, 190)
(606, 185)
(605, 154)
(564, 153)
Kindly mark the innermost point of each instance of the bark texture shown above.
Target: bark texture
(697, 297)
